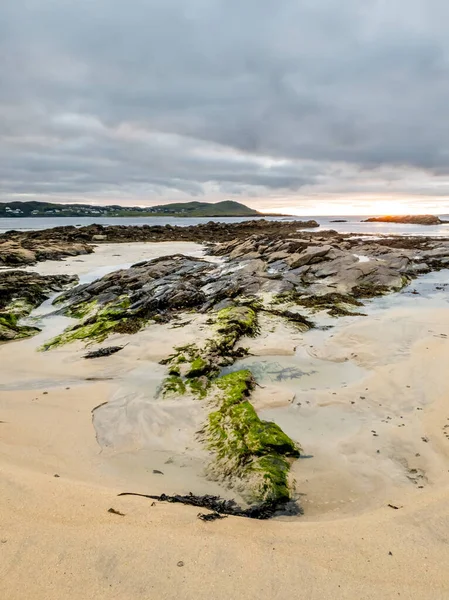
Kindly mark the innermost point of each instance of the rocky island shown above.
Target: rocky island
(406, 219)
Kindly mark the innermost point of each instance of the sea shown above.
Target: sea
(353, 223)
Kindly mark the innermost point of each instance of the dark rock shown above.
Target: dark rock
(407, 219)
(20, 293)
(101, 352)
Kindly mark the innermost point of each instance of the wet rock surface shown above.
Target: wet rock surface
(20, 248)
(20, 292)
(329, 272)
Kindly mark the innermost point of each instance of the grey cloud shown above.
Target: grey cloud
(153, 98)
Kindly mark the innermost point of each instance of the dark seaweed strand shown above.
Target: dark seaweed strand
(227, 507)
(103, 352)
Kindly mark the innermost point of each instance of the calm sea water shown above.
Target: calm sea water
(353, 223)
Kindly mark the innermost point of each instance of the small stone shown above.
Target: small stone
(180, 563)
(56, 475)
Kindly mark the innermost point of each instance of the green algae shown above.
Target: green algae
(11, 330)
(198, 386)
(336, 304)
(173, 385)
(80, 310)
(198, 367)
(245, 446)
(10, 316)
(238, 320)
(98, 325)
(192, 362)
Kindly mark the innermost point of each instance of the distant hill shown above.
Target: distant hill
(227, 208)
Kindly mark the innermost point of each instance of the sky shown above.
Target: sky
(299, 106)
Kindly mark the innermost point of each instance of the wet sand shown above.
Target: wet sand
(383, 374)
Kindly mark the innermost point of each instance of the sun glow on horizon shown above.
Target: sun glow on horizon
(360, 206)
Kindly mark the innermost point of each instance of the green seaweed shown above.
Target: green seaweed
(336, 304)
(244, 445)
(80, 310)
(199, 366)
(238, 320)
(11, 330)
(199, 386)
(112, 318)
(10, 316)
(173, 385)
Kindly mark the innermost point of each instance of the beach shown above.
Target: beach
(369, 410)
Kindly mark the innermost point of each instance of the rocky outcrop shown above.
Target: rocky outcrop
(283, 276)
(406, 219)
(20, 292)
(20, 248)
(300, 268)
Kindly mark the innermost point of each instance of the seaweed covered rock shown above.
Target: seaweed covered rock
(247, 452)
(191, 366)
(156, 290)
(10, 329)
(20, 293)
(98, 322)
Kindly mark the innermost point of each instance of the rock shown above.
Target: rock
(20, 247)
(20, 292)
(407, 219)
(279, 255)
(310, 255)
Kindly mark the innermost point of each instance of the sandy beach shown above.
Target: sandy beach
(370, 411)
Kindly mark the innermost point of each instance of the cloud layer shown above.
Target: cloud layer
(277, 104)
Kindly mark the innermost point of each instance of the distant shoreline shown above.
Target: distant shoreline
(151, 215)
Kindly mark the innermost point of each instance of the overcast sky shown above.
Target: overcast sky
(316, 105)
